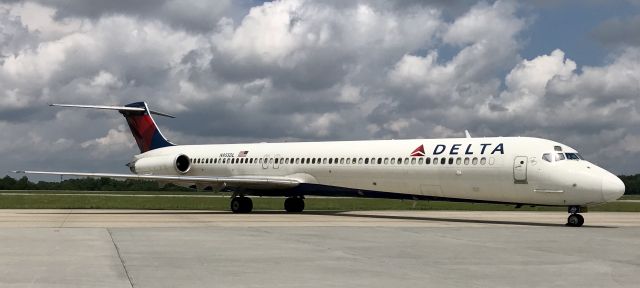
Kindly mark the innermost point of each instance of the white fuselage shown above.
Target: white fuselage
(503, 169)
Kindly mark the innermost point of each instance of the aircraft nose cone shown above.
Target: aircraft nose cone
(612, 188)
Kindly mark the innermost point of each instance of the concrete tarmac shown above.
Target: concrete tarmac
(133, 248)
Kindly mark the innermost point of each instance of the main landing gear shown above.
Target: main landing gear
(241, 204)
(294, 204)
(575, 219)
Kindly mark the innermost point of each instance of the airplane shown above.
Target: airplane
(504, 170)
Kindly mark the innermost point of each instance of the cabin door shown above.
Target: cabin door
(265, 161)
(520, 169)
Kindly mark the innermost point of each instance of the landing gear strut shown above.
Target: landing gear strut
(241, 204)
(575, 219)
(294, 204)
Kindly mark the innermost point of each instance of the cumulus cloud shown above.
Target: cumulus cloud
(296, 70)
(196, 15)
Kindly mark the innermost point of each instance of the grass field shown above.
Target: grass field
(630, 197)
(189, 200)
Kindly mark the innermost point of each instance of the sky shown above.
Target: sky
(296, 70)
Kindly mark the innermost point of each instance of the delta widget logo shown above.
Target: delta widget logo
(418, 152)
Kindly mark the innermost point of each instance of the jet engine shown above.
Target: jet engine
(161, 165)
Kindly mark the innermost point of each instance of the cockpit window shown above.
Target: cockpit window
(573, 156)
(553, 157)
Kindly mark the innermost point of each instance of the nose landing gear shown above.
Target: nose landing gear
(575, 219)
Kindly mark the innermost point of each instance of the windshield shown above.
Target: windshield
(554, 157)
(574, 156)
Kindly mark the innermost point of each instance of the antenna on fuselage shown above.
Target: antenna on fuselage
(466, 134)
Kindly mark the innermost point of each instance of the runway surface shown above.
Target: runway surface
(126, 248)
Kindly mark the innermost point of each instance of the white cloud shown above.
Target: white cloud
(39, 20)
(527, 82)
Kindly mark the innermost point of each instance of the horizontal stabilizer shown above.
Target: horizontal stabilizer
(117, 108)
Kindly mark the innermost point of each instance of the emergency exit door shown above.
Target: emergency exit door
(520, 169)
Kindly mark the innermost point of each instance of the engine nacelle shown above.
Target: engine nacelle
(163, 165)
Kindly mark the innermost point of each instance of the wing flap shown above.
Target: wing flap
(253, 182)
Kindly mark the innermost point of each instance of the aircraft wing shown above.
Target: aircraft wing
(252, 182)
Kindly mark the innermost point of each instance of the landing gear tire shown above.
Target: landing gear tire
(241, 205)
(575, 220)
(294, 204)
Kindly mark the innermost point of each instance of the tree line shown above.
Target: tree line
(632, 183)
(86, 184)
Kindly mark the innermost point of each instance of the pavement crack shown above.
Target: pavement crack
(126, 272)
(64, 221)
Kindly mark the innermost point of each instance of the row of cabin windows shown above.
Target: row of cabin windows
(374, 161)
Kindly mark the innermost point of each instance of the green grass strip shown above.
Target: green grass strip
(42, 201)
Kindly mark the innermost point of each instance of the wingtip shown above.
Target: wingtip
(18, 171)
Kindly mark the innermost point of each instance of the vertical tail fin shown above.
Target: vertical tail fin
(144, 128)
(142, 125)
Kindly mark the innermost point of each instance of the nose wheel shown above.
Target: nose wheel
(575, 219)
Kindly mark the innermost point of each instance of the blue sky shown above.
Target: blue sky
(569, 25)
